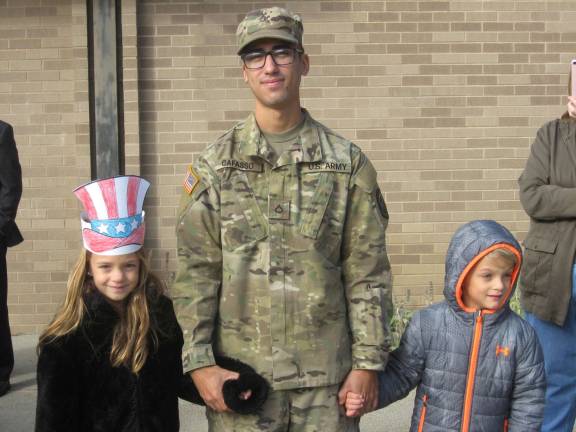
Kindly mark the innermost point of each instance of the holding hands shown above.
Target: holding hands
(360, 390)
(354, 404)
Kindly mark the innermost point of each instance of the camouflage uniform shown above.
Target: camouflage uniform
(282, 261)
(284, 265)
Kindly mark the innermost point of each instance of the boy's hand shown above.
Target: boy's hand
(572, 105)
(364, 383)
(209, 381)
(354, 404)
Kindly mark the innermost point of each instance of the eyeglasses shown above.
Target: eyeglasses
(280, 57)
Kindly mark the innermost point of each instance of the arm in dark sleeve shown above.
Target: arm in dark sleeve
(57, 407)
(186, 389)
(540, 199)
(405, 366)
(10, 177)
(527, 405)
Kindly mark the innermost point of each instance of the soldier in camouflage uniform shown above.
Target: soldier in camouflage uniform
(282, 256)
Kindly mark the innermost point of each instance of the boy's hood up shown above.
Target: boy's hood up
(472, 242)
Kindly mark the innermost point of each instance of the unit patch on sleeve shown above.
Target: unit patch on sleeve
(191, 181)
(380, 203)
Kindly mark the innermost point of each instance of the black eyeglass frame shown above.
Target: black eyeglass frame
(271, 54)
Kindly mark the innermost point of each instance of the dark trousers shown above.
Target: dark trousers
(6, 351)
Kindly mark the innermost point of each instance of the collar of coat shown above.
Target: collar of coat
(99, 319)
(254, 143)
(568, 129)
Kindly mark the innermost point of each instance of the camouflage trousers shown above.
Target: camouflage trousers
(312, 409)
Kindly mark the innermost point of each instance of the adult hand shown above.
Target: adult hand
(209, 381)
(364, 383)
(572, 106)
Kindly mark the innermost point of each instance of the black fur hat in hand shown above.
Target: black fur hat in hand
(232, 389)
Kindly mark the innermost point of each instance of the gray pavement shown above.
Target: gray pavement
(18, 406)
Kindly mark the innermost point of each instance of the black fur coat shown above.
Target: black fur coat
(80, 391)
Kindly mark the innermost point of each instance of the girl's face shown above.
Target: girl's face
(115, 276)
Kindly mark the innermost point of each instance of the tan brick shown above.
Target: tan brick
(434, 48)
(404, 259)
(418, 17)
(445, 98)
(21, 309)
(48, 308)
(19, 329)
(41, 11)
(368, 6)
(15, 44)
(434, 27)
(331, 6)
(409, 27)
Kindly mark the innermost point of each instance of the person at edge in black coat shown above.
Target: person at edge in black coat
(111, 358)
(10, 193)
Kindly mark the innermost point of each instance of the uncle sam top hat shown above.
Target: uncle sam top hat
(113, 220)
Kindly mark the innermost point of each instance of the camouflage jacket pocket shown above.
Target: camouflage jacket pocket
(314, 214)
(242, 219)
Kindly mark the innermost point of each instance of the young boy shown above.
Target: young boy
(478, 365)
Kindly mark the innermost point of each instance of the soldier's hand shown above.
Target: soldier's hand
(209, 381)
(364, 383)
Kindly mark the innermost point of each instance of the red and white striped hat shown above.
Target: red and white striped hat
(113, 220)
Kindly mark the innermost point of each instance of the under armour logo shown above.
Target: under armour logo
(505, 351)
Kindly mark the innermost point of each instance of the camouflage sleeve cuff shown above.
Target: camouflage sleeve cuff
(197, 357)
(369, 359)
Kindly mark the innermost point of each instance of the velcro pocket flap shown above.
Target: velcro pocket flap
(312, 218)
(541, 244)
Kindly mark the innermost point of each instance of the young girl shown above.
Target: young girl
(111, 358)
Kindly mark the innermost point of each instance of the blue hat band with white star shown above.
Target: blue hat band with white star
(117, 228)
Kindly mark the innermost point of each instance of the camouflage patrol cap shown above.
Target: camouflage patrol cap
(274, 23)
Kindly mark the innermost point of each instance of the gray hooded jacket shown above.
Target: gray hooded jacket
(476, 371)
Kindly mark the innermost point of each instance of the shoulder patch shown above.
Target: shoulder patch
(380, 203)
(366, 177)
(191, 180)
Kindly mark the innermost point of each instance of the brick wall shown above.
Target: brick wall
(444, 96)
(43, 94)
(130, 86)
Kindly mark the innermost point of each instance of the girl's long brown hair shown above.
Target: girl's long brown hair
(130, 343)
